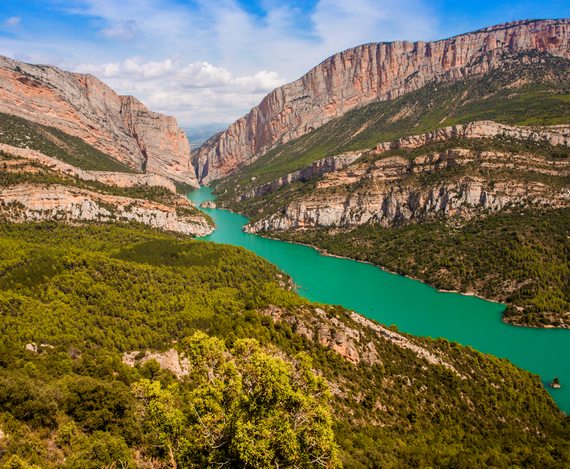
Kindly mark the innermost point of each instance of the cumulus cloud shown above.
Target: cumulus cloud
(212, 61)
(187, 90)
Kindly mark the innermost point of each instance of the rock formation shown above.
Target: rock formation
(83, 106)
(394, 189)
(33, 203)
(368, 73)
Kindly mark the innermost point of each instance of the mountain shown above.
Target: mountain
(366, 74)
(84, 107)
(199, 133)
(462, 184)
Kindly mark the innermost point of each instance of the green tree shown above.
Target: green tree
(246, 407)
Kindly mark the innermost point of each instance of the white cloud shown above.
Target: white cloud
(13, 22)
(187, 90)
(213, 61)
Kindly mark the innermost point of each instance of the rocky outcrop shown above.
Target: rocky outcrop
(395, 190)
(552, 135)
(39, 202)
(83, 106)
(170, 360)
(368, 73)
(105, 177)
(353, 337)
(318, 168)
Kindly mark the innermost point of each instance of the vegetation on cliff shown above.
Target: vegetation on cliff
(84, 295)
(53, 142)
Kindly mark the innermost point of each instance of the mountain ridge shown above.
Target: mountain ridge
(364, 74)
(83, 106)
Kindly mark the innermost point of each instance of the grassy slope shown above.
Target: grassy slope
(93, 292)
(542, 99)
(22, 133)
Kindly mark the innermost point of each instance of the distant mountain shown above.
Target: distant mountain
(199, 133)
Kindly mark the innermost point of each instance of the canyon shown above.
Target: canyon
(366, 74)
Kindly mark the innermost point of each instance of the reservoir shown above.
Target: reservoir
(413, 306)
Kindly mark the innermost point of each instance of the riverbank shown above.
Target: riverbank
(414, 307)
(325, 252)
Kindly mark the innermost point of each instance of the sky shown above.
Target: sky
(211, 61)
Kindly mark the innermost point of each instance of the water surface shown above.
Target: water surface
(411, 305)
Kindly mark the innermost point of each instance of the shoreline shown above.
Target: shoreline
(324, 252)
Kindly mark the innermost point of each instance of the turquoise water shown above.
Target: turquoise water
(411, 305)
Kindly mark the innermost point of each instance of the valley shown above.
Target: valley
(368, 269)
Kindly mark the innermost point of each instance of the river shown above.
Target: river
(411, 305)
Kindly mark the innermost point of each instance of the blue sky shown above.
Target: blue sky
(205, 61)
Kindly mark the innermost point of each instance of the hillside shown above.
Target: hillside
(85, 108)
(74, 300)
(46, 174)
(372, 73)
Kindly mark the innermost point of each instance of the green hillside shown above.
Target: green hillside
(53, 142)
(86, 294)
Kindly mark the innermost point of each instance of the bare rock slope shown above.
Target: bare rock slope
(84, 107)
(368, 73)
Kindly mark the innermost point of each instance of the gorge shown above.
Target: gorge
(411, 305)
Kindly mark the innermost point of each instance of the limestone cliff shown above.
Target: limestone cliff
(394, 189)
(34, 203)
(368, 73)
(84, 107)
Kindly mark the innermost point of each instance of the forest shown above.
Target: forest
(74, 299)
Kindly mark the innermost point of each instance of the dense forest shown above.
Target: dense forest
(74, 299)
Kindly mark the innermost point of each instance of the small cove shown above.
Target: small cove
(411, 305)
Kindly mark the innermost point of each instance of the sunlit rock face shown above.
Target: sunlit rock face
(83, 106)
(368, 73)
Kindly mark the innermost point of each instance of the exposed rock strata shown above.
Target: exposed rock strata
(318, 168)
(388, 192)
(105, 177)
(368, 73)
(83, 106)
(34, 203)
(552, 135)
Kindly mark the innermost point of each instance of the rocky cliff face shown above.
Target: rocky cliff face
(394, 190)
(33, 203)
(83, 106)
(365, 74)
